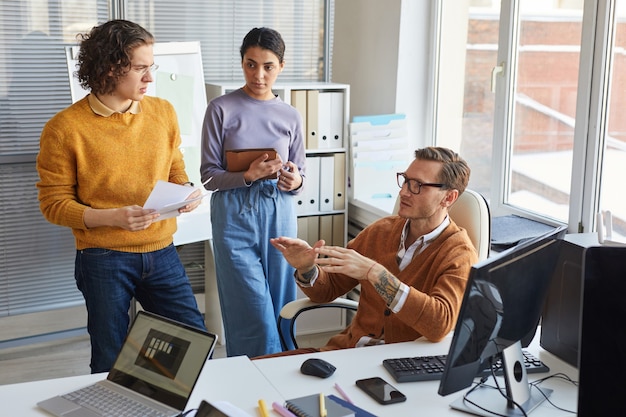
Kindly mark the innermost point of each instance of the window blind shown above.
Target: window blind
(221, 25)
(36, 257)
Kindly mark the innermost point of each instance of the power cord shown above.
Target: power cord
(535, 384)
(184, 413)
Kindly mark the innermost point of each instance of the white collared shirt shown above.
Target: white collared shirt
(405, 256)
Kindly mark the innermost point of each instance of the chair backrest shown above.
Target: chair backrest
(471, 212)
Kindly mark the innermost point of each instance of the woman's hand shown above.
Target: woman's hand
(289, 178)
(263, 167)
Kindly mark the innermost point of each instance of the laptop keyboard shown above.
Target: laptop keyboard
(430, 368)
(110, 403)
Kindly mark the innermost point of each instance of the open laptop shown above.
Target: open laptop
(157, 367)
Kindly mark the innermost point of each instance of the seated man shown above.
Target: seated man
(413, 267)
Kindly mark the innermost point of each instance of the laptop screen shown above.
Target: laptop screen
(162, 359)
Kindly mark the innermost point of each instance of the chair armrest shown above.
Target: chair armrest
(294, 308)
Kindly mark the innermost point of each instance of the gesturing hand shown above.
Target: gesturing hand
(344, 261)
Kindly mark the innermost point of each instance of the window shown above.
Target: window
(549, 144)
(539, 52)
(613, 150)
(36, 261)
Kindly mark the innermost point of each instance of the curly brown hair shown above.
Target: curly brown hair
(105, 54)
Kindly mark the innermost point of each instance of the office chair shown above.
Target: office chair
(470, 212)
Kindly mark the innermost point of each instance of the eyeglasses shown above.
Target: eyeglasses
(414, 185)
(143, 69)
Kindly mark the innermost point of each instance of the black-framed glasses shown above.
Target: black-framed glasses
(414, 185)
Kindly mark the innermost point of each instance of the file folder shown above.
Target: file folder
(312, 105)
(327, 183)
(298, 100)
(326, 229)
(337, 125)
(324, 119)
(339, 189)
(308, 200)
(379, 149)
(339, 232)
(308, 229)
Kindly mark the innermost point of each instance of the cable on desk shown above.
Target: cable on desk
(558, 375)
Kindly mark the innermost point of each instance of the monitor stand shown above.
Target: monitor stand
(487, 401)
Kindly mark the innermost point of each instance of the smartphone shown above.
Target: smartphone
(380, 390)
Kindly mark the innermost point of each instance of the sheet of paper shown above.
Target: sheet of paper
(166, 198)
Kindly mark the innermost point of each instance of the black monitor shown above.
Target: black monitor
(499, 315)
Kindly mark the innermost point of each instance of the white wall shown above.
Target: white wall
(384, 50)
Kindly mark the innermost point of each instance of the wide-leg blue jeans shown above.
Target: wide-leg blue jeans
(109, 279)
(254, 281)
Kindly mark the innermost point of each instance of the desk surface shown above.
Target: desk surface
(243, 382)
(235, 380)
(422, 397)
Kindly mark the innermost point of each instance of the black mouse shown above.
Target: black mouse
(317, 367)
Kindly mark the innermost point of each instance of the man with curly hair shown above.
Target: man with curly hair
(98, 161)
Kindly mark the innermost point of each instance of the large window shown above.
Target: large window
(539, 52)
(543, 99)
(520, 136)
(36, 258)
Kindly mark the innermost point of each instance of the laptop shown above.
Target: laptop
(157, 367)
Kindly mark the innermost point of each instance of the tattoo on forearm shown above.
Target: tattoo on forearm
(387, 286)
(308, 275)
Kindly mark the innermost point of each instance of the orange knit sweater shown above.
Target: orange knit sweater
(86, 160)
(437, 277)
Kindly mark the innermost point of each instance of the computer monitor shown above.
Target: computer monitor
(499, 315)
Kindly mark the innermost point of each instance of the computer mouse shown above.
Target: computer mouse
(317, 367)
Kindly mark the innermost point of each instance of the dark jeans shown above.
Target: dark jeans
(109, 279)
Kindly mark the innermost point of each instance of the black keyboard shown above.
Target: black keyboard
(430, 368)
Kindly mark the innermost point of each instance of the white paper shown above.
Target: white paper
(166, 198)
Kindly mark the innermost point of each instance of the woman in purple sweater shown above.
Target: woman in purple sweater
(254, 280)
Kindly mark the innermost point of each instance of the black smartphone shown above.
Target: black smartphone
(380, 390)
(208, 410)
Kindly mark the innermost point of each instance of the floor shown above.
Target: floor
(69, 356)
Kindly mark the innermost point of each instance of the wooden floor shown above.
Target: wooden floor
(69, 356)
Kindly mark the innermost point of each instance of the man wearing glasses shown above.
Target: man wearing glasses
(412, 268)
(98, 161)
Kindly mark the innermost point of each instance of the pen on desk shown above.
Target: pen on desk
(323, 411)
(263, 408)
(343, 393)
(282, 410)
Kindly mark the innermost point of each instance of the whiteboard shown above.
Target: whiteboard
(180, 80)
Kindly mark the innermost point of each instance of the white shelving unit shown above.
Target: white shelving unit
(322, 207)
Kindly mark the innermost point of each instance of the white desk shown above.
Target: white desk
(422, 397)
(243, 382)
(235, 380)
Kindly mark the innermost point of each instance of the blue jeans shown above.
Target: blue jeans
(254, 280)
(109, 279)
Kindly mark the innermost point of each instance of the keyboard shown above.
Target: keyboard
(430, 368)
(109, 403)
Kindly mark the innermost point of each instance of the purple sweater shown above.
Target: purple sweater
(238, 121)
